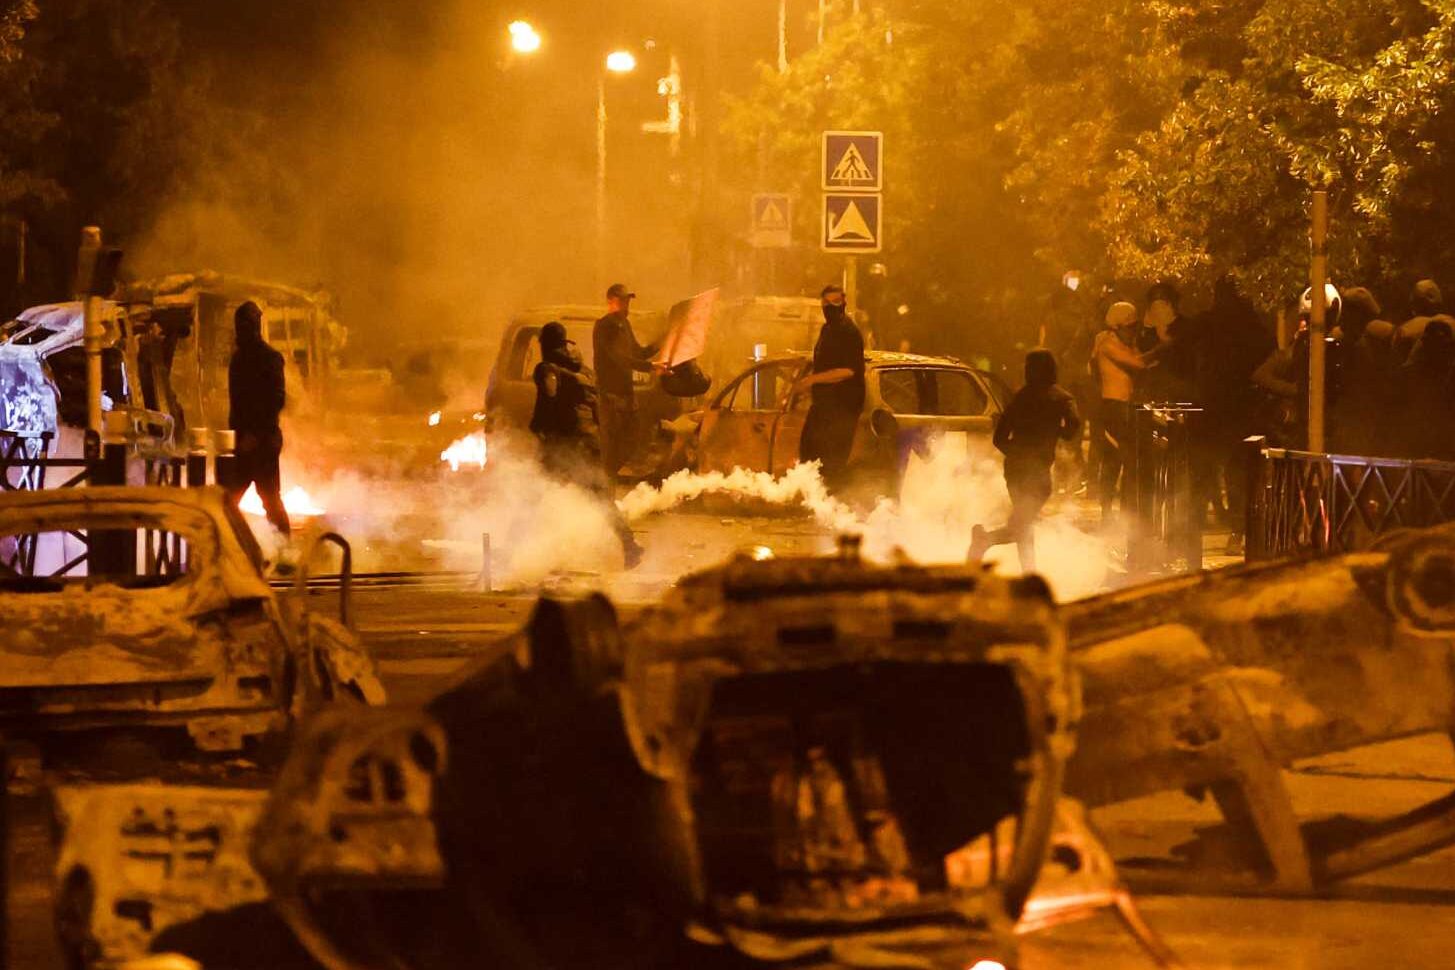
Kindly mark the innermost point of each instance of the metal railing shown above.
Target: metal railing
(1305, 502)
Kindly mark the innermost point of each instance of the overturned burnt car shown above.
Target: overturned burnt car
(781, 761)
(175, 628)
(1216, 683)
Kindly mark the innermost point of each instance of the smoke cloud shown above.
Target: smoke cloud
(545, 531)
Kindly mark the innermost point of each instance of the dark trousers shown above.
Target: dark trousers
(1029, 485)
(828, 438)
(617, 418)
(577, 461)
(256, 463)
(1116, 443)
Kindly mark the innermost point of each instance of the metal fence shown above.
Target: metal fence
(1304, 502)
(26, 464)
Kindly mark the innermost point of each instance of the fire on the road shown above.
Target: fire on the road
(469, 450)
(296, 500)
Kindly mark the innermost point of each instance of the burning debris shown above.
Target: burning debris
(468, 451)
(296, 500)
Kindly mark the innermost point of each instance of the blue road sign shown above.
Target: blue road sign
(853, 161)
(851, 223)
(772, 220)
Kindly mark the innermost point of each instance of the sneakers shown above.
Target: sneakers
(979, 544)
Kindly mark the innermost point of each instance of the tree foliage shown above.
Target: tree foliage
(1137, 139)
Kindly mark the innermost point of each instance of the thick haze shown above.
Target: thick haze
(401, 156)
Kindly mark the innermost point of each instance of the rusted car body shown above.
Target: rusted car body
(195, 641)
(756, 420)
(783, 760)
(1217, 682)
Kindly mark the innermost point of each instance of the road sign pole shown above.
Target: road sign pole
(851, 283)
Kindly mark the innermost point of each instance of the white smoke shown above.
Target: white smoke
(942, 498)
(541, 528)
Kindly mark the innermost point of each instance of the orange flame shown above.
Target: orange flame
(469, 450)
(296, 500)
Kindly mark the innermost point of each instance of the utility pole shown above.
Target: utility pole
(1317, 276)
(93, 333)
(782, 36)
(600, 182)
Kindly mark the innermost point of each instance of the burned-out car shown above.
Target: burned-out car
(756, 420)
(146, 608)
(784, 760)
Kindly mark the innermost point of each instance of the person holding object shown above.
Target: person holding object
(617, 355)
(1039, 414)
(837, 386)
(256, 394)
(565, 421)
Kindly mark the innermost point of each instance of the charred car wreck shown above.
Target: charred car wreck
(784, 760)
(1216, 683)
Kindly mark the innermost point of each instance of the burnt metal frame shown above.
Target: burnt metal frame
(1306, 502)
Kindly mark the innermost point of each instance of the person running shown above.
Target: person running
(1040, 414)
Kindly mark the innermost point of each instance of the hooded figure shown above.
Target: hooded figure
(256, 393)
(1426, 300)
(565, 421)
(1360, 400)
(1040, 414)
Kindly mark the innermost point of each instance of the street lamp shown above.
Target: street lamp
(523, 37)
(617, 62)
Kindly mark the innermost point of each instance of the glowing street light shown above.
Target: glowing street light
(621, 62)
(523, 37)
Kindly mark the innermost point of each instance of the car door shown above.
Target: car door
(737, 429)
(788, 429)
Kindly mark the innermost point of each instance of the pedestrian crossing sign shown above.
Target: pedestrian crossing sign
(851, 223)
(772, 220)
(853, 161)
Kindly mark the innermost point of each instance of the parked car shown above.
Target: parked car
(161, 620)
(755, 421)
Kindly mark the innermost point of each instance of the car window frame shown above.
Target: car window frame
(969, 373)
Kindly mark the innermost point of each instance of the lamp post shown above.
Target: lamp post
(617, 62)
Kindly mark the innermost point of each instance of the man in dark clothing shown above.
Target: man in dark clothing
(1040, 413)
(1428, 384)
(1361, 398)
(1425, 301)
(565, 421)
(256, 394)
(837, 387)
(617, 355)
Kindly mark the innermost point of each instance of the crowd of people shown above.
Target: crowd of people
(1390, 389)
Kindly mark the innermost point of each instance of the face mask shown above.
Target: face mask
(833, 311)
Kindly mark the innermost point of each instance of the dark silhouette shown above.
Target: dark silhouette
(256, 394)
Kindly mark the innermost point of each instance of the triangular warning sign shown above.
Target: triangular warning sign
(851, 168)
(772, 217)
(850, 225)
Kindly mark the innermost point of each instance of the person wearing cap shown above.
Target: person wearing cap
(836, 386)
(617, 354)
(1116, 364)
(565, 421)
(256, 394)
